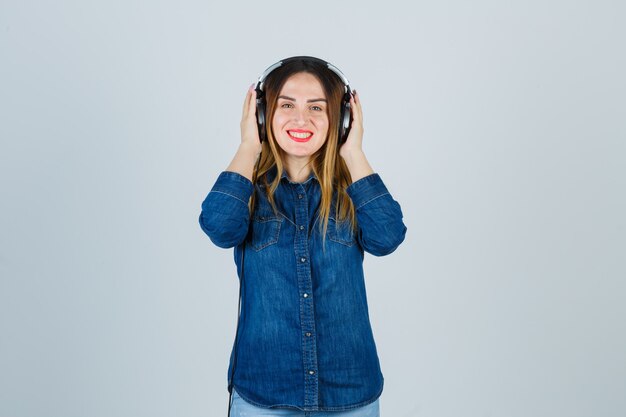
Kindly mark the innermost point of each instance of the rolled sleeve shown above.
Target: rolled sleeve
(379, 216)
(366, 189)
(235, 185)
(225, 214)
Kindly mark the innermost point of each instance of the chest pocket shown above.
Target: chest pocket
(265, 230)
(340, 232)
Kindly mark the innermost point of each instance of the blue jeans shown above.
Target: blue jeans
(241, 408)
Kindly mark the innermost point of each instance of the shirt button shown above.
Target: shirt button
(308, 334)
(301, 227)
(303, 259)
(305, 295)
(311, 372)
(300, 196)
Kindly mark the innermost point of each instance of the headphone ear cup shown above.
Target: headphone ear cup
(345, 119)
(260, 115)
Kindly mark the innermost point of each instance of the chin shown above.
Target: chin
(296, 150)
(298, 153)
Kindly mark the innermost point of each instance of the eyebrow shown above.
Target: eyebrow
(308, 101)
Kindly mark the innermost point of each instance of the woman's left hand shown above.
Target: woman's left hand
(353, 143)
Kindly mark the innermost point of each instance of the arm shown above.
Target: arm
(379, 216)
(225, 214)
(351, 151)
(250, 147)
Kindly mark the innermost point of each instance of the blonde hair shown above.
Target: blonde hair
(327, 165)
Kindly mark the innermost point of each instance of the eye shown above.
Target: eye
(287, 105)
(317, 108)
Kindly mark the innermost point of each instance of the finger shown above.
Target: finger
(249, 97)
(246, 102)
(252, 104)
(357, 100)
(356, 107)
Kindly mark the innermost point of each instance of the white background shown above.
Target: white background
(498, 126)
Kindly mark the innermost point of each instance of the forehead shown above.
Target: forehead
(303, 84)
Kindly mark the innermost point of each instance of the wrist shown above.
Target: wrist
(249, 149)
(352, 155)
(357, 164)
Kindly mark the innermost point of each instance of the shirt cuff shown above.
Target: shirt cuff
(366, 189)
(235, 185)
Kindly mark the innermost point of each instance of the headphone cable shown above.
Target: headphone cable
(236, 344)
(241, 283)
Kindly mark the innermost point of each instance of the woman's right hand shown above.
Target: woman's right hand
(249, 130)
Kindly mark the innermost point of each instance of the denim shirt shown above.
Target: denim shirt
(304, 335)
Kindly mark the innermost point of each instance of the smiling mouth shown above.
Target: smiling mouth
(300, 135)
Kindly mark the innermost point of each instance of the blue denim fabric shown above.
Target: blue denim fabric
(243, 409)
(305, 339)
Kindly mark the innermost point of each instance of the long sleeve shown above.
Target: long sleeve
(379, 216)
(225, 215)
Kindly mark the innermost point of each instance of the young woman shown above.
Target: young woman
(300, 208)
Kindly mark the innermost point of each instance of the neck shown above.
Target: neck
(298, 169)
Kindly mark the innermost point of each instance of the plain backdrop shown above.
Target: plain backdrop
(499, 126)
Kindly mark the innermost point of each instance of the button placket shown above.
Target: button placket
(305, 286)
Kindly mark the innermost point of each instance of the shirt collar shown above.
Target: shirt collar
(271, 174)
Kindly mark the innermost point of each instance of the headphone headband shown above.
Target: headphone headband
(344, 79)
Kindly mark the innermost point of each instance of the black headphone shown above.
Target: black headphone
(345, 117)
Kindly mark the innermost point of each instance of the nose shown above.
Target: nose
(300, 116)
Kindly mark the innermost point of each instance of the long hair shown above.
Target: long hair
(327, 165)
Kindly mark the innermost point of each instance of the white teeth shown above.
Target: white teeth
(299, 135)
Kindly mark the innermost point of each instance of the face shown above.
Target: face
(300, 122)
